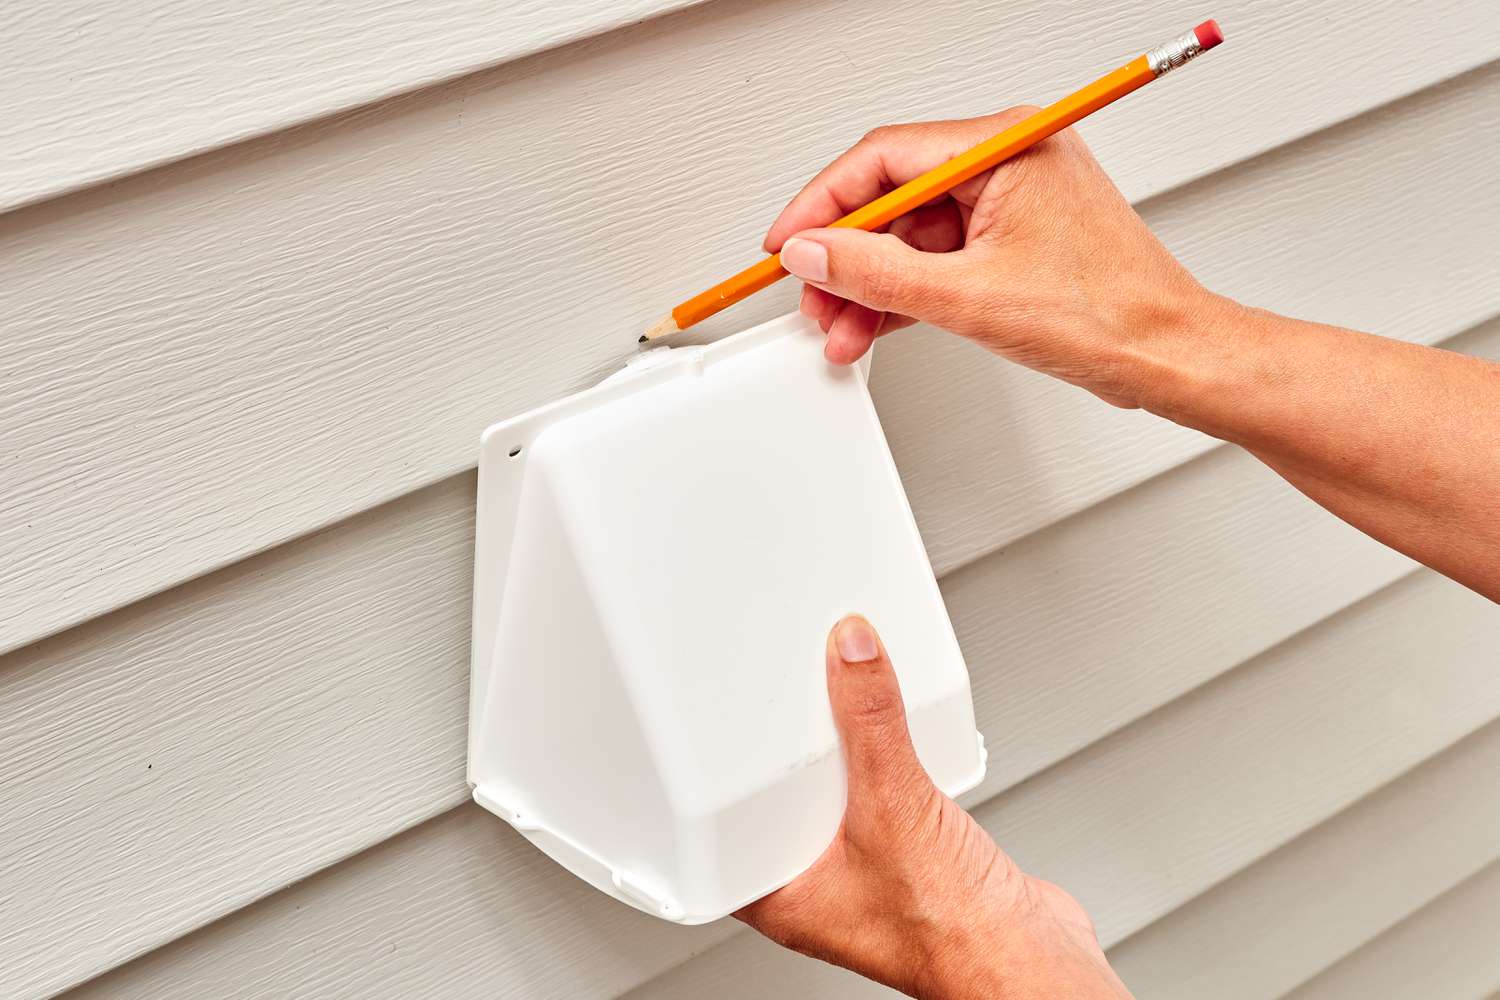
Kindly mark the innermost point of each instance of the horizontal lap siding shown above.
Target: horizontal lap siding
(460, 907)
(446, 908)
(1332, 890)
(1269, 927)
(178, 759)
(1143, 822)
(109, 92)
(1137, 824)
(1067, 650)
(405, 567)
(1311, 230)
(211, 358)
(371, 617)
(1446, 951)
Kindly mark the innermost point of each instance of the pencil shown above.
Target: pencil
(943, 178)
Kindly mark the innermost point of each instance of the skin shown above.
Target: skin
(1044, 262)
(912, 892)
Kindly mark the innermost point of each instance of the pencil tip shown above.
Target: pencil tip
(661, 329)
(643, 339)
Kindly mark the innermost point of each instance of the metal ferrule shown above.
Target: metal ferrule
(1170, 55)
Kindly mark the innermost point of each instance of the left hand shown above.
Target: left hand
(912, 892)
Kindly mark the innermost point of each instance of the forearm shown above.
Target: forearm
(1401, 441)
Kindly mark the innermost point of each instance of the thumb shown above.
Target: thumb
(870, 717)
(877, 270)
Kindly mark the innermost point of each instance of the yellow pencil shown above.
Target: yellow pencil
(944, 178)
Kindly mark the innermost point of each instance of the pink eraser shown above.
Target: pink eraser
(1208, 34)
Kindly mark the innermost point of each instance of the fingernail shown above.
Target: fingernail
(807, 259)
(856, 641)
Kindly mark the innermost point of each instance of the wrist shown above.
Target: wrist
(1186, 355)
(971, 956)
(1035, 941)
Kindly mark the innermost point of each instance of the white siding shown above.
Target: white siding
(240, 400)
(280, 334)
(109, 92)
(354, 610)
(447, 908)
(1446, 950)
(1259, 932)
(1332, 890)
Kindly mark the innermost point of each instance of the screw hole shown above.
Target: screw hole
(515, 451)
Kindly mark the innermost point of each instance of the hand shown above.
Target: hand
(1041, 260)
(912, 892)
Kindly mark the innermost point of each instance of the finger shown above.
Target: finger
(869, 716)
(820, 306)
(845, 348)
(894, 322)
(884, 159)
(881, 272)
(852, 333)
(935, 228)
(834, 311)
(965, 213)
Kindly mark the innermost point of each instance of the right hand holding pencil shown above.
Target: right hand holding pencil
(1041, 260)
(1044, 262)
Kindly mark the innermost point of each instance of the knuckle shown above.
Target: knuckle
(1071, 143)
(1014, 114)
(886, 279)
(904, 804)
(875, 707)
(880, 285)
(888, 136)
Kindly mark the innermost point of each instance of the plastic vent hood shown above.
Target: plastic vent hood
(659, 560)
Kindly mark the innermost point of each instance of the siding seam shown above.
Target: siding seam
(65, 624)
(461, 800)
(416, 85)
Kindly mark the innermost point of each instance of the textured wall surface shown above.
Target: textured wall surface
(267, 274)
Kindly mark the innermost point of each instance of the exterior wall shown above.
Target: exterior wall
(258, 310)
